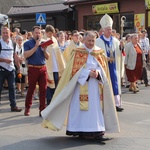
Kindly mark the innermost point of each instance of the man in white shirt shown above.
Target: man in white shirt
(144, 42)
(7, 69)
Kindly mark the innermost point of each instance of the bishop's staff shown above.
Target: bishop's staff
(123, 19)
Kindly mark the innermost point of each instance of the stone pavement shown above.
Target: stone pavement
(18, 132)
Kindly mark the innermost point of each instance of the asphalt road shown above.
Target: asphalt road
(19, 132)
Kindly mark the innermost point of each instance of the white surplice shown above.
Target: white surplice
(90, 120)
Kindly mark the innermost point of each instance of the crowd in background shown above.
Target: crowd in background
(68, 40)
(106, 60)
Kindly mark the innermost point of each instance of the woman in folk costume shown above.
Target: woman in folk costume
(83, 85)
(113, 53)
(55, 64)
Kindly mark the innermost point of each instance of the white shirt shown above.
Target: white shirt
(19, 50)
(144, 42)
(55, 66)
(7, 53)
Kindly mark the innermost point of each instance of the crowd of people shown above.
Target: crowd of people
(78, 77)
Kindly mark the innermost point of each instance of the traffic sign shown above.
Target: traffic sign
(40, 18)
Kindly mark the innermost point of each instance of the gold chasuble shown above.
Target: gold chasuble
(68, 51)
(80, 59)
(54, 115)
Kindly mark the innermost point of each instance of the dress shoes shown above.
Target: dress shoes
(100, 142)
(102, 138)
(40, 114)
(119, 109)
(147, 85)
(127, 86)
(135, 91)
(27, 112)
(130, 90)
(16, 109)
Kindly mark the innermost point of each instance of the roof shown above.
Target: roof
(76, 2)
(19, 10)
(5, 5)
(67, 2)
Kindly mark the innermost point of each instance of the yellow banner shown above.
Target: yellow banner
(139, 22)
(105, 8)
(148, 18)
(147, 4)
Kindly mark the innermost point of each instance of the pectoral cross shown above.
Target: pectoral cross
(112, 59)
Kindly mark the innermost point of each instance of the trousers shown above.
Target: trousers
(144, 75)
(10, 77)
(50, 91)
(36, 75)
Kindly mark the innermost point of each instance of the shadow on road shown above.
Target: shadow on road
(50, 143)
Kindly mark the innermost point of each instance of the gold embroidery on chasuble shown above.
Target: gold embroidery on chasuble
(99, 55)
(84, 97)
(80, 60)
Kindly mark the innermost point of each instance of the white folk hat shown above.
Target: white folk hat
(106, 21)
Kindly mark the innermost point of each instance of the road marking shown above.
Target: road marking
(135, 104)
(145, 122)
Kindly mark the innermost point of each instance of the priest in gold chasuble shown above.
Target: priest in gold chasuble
(84, 95)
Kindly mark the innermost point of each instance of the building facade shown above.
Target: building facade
(128, 16)
(58, 15)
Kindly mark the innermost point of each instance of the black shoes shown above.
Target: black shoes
(102, 139)
(127, 86)
(40, 114)
(16, 109)
(119, 109)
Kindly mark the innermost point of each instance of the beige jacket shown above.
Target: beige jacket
(131, 56)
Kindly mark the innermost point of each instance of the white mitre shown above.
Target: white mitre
(106, 21)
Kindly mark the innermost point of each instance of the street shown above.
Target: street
(19, 132)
